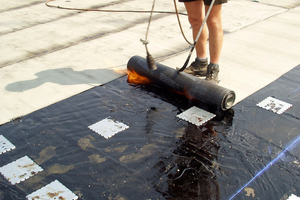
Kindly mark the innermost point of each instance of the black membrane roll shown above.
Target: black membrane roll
(193, 87)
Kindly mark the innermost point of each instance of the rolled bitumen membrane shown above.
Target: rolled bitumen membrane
(193, 87)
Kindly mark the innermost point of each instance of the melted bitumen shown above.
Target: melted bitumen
(159, 156)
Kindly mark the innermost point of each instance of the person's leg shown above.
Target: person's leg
(196, 14)
(214, 24)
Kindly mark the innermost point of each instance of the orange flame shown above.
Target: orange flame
(184, 93)
(135, 78)
(120, 71)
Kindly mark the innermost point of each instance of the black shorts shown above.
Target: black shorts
(207, 2)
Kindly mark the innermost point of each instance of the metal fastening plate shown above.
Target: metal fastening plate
(293, 197)
(20, 170)
(108, 127)
(54, 190)
(274, 105)
(5, 145)
(196, 116)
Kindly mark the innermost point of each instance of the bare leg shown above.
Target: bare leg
(196, 16)
(214, 24)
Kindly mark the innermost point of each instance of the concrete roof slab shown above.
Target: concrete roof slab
(285, 3)
(17, 4)
(238, 14)
(44, 37)
(27, 17)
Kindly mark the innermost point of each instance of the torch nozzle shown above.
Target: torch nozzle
(151, 62)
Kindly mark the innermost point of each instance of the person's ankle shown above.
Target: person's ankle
(202, 60)
(213, 64)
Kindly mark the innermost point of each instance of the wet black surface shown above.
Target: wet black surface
(160, 156)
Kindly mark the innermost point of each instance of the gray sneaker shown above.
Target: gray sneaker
(197, 68)
(212, 73)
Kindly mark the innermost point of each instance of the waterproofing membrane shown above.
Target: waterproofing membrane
(159, 156)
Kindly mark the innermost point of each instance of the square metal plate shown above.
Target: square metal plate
(54, 190)
(196, 116)
(293, 197)
(108, 127)
(20, 170)
(274, 105)
(5, 145)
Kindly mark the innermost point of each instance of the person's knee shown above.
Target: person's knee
(196, 20)
(214, 20)
(214, 23)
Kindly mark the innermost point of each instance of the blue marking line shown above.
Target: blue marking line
(266, 167)
(294, 91)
